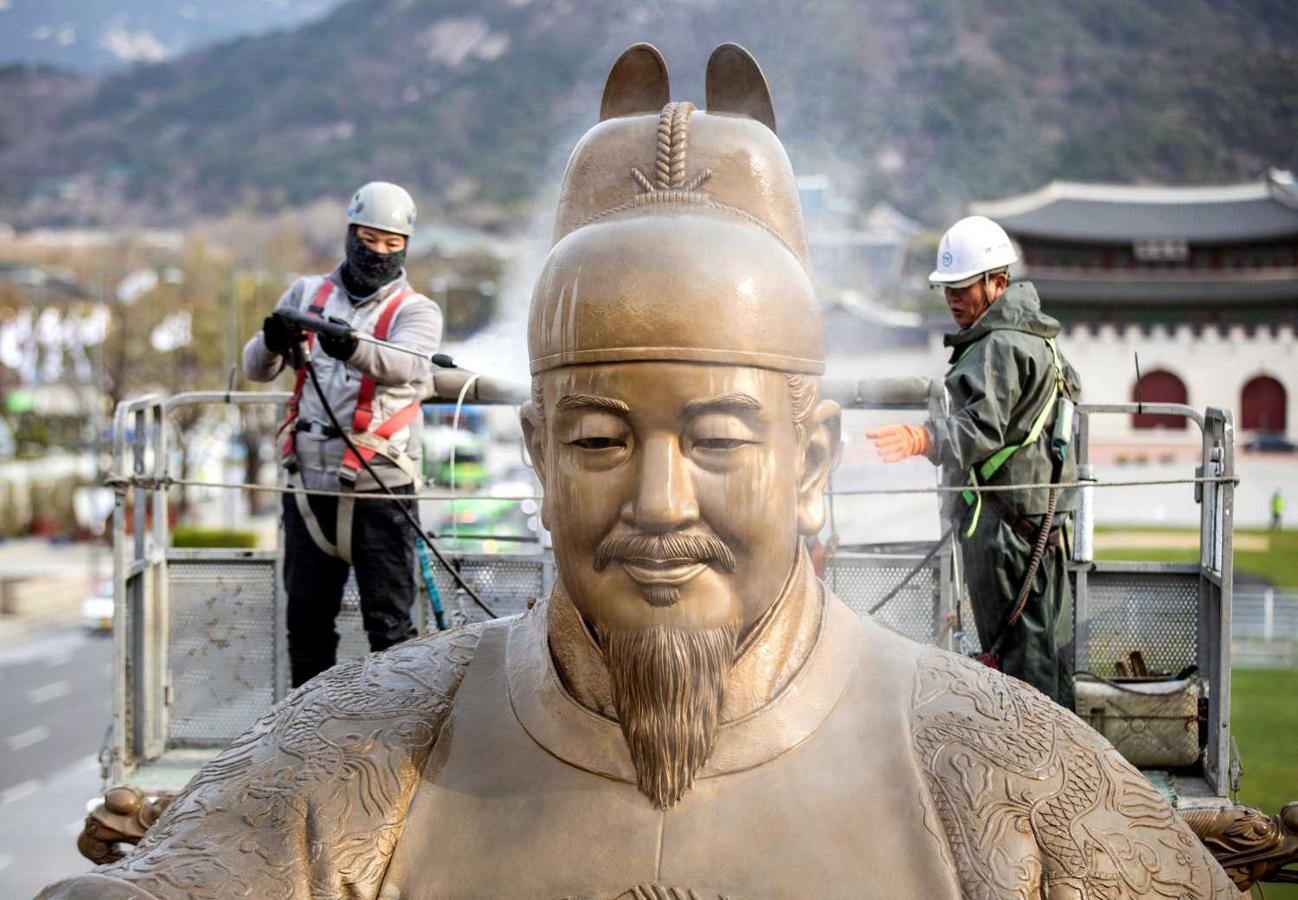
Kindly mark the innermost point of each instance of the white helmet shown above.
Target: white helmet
(385, 206)
(969, 248)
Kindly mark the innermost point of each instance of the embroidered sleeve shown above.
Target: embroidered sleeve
(1036, 804)
(312, 800)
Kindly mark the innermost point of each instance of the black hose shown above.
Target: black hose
(1038, 551)
(419, 529)
(913, 572)
(1086, 673)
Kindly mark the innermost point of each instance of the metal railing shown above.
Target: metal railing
(200, 645)
(1264, 628)
(1177, 614)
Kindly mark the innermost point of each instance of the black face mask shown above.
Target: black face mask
(367, 270)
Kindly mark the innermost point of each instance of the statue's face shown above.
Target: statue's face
(675, 492)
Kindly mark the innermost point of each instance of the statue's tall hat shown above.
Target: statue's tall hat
(678, 235)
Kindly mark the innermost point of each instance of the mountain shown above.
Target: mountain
(926, 104)
(99, 35)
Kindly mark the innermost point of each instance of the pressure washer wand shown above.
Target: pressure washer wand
(441, 360)
(336, 328)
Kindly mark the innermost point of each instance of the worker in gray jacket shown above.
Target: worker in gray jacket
(1006, 386)
(375, 395)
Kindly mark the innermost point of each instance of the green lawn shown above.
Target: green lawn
(1277, 564)
(1264, 721)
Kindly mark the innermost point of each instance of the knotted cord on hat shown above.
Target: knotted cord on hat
(670, 184)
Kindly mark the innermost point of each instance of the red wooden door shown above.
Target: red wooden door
(1159, 387)
(1263, 405)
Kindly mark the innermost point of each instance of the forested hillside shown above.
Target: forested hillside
(474, 104)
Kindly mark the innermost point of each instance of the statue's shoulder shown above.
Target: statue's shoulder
(312, 799)
(1034, 803)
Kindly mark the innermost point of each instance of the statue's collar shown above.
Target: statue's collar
(787, 679)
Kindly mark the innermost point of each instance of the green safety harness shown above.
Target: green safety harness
(980, 475)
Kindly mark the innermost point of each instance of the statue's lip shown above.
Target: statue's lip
(662, 571)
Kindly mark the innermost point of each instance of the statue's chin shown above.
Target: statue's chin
(668, 686)
(661, 595)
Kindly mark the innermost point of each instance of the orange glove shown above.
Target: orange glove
(897, 442)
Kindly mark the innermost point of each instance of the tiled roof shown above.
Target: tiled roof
(1152, 290)
(1099, 213)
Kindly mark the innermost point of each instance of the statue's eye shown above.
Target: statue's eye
(598, 443)
(720, 443)
(721, 433)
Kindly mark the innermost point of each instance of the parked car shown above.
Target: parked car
(1270, 442)
(97, 609)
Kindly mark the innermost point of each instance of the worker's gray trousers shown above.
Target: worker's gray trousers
(1039, 647)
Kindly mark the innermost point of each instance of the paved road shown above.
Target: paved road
(54, 709)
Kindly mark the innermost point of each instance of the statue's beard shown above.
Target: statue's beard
(668, 686)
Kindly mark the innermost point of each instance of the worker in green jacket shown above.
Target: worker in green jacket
(1005, 385)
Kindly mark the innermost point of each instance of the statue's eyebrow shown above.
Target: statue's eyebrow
(591, 401)
(736, 402)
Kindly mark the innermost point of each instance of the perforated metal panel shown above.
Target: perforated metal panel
(861, 581)
(1155, 613)
(221, 649)
(504, 583)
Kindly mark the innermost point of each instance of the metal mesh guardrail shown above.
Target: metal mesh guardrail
(507, 583)
(221, 648)
(861, 581)
(1153, 612)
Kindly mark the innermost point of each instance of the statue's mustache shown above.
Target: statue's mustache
(683, 548)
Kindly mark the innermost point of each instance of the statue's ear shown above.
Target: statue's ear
(533, 422)
(637, 83)
(820, 451)
(735, 84)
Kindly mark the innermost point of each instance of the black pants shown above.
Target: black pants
(383, 553)
(1039, 648)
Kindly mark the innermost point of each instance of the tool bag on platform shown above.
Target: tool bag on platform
(1153, 724)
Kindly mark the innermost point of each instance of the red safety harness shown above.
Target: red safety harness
(288, 449)
(374, 440)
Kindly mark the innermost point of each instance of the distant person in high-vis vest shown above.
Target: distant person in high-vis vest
(1006, 379)
(375, 394)
(1277, 510)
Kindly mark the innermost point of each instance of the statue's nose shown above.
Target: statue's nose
(664, 497)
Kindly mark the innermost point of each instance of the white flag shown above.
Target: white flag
(11, 351)
(94, 327)
(171, 333)
(136, 285)
(49, 335)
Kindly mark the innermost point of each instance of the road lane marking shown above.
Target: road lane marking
(42, 649)
(19, 791)
(26, 738)
(48, 692)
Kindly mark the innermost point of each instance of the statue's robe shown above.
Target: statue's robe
(463, 765)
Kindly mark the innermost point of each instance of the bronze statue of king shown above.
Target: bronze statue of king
(691, 713)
